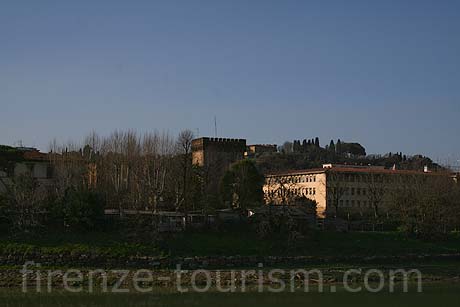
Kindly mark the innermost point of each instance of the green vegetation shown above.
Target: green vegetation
(231, 243)
(8, 157)
(77, 210)
(242, 184)
(7, 149)
(309, 154)
(101, 244)
(320, 244)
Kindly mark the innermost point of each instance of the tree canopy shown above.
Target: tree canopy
(241, 185)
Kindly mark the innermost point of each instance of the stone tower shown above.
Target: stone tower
(214, 156)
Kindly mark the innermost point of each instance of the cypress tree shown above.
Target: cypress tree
(332, 146)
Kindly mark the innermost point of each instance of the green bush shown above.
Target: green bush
(77, 211)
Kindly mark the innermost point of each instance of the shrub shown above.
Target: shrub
(79, 210)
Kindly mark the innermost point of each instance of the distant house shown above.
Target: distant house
(256, 149)
(15, 162)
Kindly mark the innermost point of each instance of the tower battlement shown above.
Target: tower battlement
(219, 144)
(208, 150)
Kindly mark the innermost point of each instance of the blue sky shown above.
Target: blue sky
(384, 73)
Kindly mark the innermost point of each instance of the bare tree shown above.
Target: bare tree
(336, 189)
(24, 203)
(376, 188)
(184, 146)
(426, 206)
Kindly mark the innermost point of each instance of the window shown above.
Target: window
(314, 191)
(352, 191)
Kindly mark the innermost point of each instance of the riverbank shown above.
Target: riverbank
(44, 279)
(224, 250)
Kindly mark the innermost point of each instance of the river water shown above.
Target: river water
(432, 295)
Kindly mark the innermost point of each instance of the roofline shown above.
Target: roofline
(352, 170)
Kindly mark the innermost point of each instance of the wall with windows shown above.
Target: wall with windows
(345, 191)
(283, 189)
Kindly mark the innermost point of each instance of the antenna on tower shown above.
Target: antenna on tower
(215, 126)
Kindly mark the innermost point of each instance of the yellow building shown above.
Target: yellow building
(338, 188)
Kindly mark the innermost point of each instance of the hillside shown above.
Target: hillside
(308, 154)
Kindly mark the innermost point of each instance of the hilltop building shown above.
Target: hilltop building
(256, 149)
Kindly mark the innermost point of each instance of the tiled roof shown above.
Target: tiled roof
(35, 156)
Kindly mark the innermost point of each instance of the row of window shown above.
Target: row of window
(292, 179)
(356, 191)
(290, 192)
(355, 203)
(373, 178)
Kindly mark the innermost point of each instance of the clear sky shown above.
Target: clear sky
(384, 73)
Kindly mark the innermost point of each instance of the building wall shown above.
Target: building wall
(38, 170)
(359, 191)
(215, 155)
(312, 185)
(253, 150)
(211, 151)
(354, 189)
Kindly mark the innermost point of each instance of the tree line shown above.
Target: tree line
(125, 171)
(310, 154)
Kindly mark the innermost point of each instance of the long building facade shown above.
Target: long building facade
(352, 189)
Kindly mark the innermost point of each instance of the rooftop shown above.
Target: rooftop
(351, 169)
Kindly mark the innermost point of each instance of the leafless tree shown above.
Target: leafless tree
(336, 189)
(426, 205)
(376, 188)
(25, 203)
(184, 147)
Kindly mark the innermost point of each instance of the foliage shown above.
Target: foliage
(354, 149)
(242, 184)
(307, 155)
(244, 241)
(80, 210)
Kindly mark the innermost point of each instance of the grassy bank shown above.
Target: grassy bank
(318, 244)
(230, 243)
